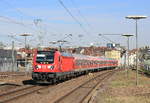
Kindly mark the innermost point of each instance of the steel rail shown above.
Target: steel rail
(17, 93)
(102, 76)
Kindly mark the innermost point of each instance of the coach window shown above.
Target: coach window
(77, 63)
(84, 62)
(80, 62)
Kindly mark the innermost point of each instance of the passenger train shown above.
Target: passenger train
(53, 65)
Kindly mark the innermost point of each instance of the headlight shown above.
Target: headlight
(50, 67)
(39, 66)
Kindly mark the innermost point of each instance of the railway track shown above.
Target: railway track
(11, 74)
(19, 92)
(81, 93)
(84, 92)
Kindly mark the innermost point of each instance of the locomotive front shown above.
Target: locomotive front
(45, 65)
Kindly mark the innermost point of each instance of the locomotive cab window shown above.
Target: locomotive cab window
(45, 57)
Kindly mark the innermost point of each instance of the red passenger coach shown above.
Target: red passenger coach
(53, 65)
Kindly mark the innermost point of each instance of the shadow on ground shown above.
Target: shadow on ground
(11, 84)
(32, 82)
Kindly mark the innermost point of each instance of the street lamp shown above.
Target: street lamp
(136, 18)
(25, 39)
(127, 35)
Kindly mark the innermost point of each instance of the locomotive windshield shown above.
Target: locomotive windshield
(46, 57)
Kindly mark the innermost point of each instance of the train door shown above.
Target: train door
(60, 63)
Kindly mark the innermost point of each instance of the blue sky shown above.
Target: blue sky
(108, 17)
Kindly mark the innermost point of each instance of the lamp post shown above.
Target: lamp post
(136, 18)
(128, 36)
(25, 40)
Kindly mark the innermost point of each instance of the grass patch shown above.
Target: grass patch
(145, 71)
(126, 99)
(122, 89)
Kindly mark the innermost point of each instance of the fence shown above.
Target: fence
(8, 60)
(6, 64)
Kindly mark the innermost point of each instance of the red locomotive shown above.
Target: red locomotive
(53, 65)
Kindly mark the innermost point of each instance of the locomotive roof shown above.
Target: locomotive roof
(46, 50)
(80, 56)
(104, 58)
(66, 54)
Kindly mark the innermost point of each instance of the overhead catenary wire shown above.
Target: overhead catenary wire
(16, 39)
(80, 14)
(10, 20)
(21, 13)
(105, 38)
(89, 25)
(10, 5)
(73, 17)
(29, 26)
